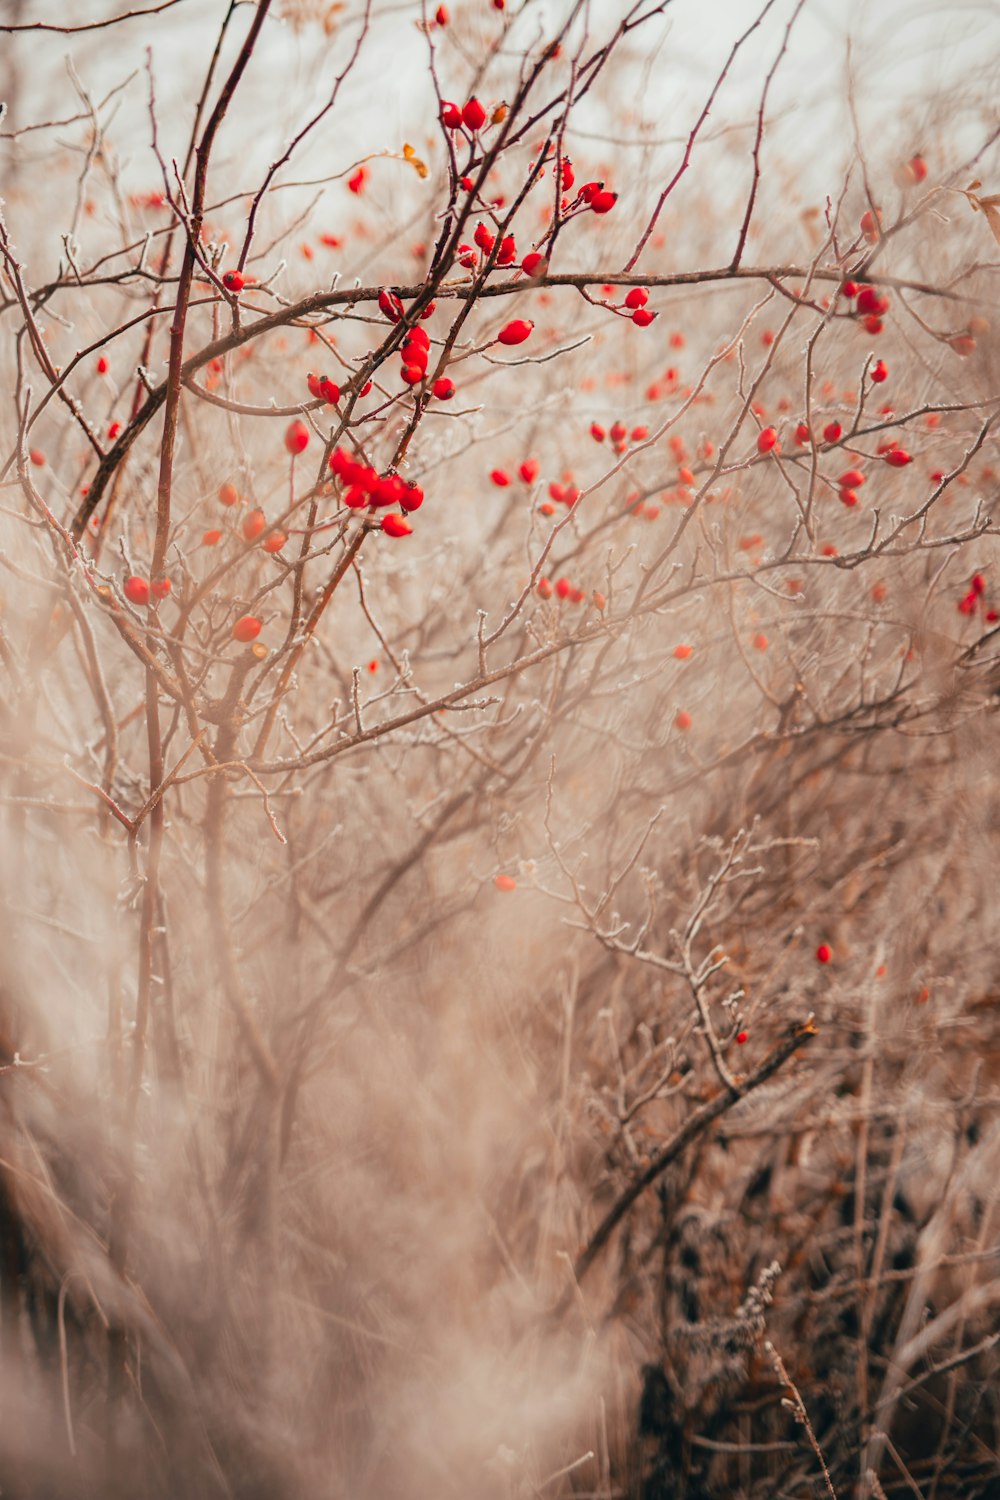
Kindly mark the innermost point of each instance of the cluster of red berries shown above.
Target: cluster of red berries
(563, 589)
(253, 526)
(634, 307)
(414, 351)
(870, 306)
(484, 240)
(137, 590)
(364, 488)
(593, 197)
(849, 483)
(526, 471)
(322, 388)
(969, 604)
(471, 257)
(471, 116)
(619, 434)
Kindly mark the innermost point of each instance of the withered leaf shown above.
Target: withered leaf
(989, 206)
(411, 156)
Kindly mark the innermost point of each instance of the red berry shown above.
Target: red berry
(851, 479)
(500, 478)
(619, 432)
(211, 538)
(833, 432)
(102, 366)
(275, 541)
(824, 953)
(390, 305)
(874, 325)
(246, 629)
(441, 15)
(254, 524)
(849, 289)
(483, 238)
(978, 583)
(414, 354)
(473, 114)
(296, 437)
(898, 457)
(766, 440)
(234, 281)
(136, 590)
(681, 653)
(357, 182)
(563, 588)
(880, 371)
(802, 434)
(411, 497)
(917, 168)
(229, 494)
(394, 525)
(642, 317)
(508, 251)
(515, 332)
(637, 296)
(603, 202)
(37, 458)
(849, 498)
(451, 116)
(386, 489)
(443, 388)
(741, 1037)
(683, 720)
(528, 471)
(161, 588)
(544, 588)
(329, 391)
(534, 264)
(870, 225)
(412, 374)
(504, 882)
(969, 604)
(597, 432)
